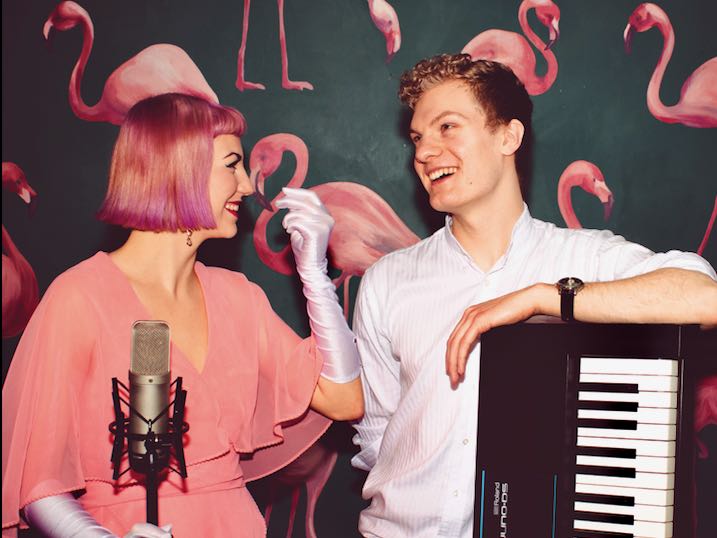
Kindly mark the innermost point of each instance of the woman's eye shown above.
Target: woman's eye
(446, 126)
(234, 163)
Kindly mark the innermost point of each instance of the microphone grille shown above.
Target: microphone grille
(150, 348)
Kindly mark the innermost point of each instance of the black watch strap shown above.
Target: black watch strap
(567, 304)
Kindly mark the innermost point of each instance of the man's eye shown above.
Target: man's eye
(446, 126)
(415, 139)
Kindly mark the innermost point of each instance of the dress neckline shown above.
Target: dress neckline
(140, 307)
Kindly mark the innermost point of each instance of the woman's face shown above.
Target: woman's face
(228, 184)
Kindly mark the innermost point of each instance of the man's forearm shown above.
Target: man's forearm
(663, 296)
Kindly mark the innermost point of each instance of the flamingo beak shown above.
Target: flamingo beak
(554, 34)
(604, 194)
(256, 179)
(32, 207)
(627, 37)
(393, 43)
(607, 207)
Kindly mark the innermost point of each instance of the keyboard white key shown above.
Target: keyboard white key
(644, 382)
(644, 415)
(641, 480)
(641, 512)
(639, 529)
(656, 432)
(643, 399)
(640, 464)
(643, 447)
(602, 365)
(655, 497)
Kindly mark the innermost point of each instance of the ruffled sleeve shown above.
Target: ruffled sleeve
(40, 408)
(282, 426)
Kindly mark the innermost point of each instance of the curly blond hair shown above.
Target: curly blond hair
(497, 90)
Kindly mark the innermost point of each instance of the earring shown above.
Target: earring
(189, 238)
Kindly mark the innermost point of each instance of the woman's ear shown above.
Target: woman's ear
(512, 137)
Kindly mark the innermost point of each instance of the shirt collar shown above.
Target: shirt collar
(519, 236)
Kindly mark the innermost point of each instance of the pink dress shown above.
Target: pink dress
(247, 409)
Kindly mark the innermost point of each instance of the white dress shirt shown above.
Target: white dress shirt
(418, 436)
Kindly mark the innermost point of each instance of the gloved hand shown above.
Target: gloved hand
(62, 516)
(310, 224)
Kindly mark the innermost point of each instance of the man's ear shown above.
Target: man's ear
(512, 137)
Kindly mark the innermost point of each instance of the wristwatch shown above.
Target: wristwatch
(568, 289)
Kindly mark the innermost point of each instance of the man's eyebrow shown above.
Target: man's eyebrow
(440, 117)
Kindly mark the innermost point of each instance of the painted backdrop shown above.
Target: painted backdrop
(625, 101)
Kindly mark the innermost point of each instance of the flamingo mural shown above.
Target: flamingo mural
(705, 409)
(697, 106)
(366, 227)
(20, 293)
(514, 50)
(588, 177)
(312, 469)
(158, 69)
(708, 231)
(385, 19)
(241, 83)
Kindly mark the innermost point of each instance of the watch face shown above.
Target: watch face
(570, 284)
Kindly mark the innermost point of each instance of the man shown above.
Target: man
(421, 310)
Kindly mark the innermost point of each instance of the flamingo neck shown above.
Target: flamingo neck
(9, 247)
(541, 84)
(565, 202)
(654, 103)
(279, 260)
(79, 107)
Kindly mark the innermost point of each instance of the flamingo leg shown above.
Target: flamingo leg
(292, 512)
(314, 486)
(708, 231)
(347, 290)
(240, 83)
(285, 82)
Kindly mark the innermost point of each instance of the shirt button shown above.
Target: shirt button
(465, 441)
(455, 493)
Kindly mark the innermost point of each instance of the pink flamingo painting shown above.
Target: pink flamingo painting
(287, 84)
(19, 286)
(366, 227)
(514, 50)
(312, 469)
(158, 69)
(588, 177)
(385, 19)
(697, 106)
(705, 409)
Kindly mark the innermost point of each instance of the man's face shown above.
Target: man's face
(459, 160)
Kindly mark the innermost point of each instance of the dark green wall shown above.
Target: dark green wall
(663, 176)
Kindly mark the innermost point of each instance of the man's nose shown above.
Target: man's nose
(426, 149)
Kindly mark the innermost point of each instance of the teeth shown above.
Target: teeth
(231, 206)
(436, 174)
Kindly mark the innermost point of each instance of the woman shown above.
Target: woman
(177, 178)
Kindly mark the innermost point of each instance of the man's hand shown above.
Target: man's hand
(477, 319)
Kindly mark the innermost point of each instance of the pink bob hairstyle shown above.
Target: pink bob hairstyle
(159, 176)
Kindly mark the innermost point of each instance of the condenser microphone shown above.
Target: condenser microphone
(148, 392)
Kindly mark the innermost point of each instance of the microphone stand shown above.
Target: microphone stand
(158, 446)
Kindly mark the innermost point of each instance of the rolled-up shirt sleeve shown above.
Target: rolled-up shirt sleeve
(380, 372)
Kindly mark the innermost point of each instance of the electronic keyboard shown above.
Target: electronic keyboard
(585, 430)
